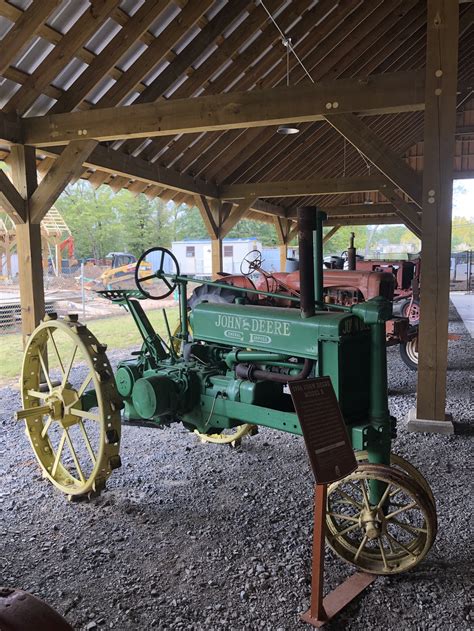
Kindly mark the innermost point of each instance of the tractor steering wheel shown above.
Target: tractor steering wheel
(251, 262)
(149, 274)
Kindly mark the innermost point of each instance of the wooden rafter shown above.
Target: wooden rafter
(23, 30)
(103, 63)
(77, 36)
(395, 92)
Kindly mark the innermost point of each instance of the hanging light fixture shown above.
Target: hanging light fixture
(287, 129)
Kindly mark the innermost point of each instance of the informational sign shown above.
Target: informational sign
(324, 431)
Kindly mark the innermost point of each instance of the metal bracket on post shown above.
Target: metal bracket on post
(322, 610)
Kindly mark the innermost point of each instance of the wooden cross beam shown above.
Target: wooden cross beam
(118, 163)
(377, 94)
(210, 221)
(331, 233)
(363, 138)
(297, 188)
(11, 201)
(65, 168)
(236, 215)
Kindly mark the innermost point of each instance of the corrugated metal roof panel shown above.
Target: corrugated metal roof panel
(67, 14)
(69, 74)
(33, 55)
(103, 36)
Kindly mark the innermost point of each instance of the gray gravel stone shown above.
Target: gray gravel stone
(200, 537)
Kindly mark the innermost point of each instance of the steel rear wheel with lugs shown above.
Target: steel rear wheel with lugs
(387, 537)
(71, 406)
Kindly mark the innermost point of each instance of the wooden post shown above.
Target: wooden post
(439, 130)
(283, 256)
(30, 264)
(217, 262)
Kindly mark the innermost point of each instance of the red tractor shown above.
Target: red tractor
(345, 287)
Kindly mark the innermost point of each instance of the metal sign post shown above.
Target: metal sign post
(332, 458)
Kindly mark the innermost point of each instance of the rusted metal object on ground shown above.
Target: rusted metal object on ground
(21, 611)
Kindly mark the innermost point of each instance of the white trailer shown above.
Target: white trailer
(195, 256)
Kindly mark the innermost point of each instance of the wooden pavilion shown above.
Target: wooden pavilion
(182, 100)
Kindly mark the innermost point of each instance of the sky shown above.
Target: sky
(463, 198)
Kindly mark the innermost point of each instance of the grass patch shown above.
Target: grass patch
(117, 332)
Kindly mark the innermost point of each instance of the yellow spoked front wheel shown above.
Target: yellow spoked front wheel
(71, 406)
(403, 465)
(388, 537)
(230, 437)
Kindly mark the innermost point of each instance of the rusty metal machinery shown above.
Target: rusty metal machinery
(229, 366)
(21, 611)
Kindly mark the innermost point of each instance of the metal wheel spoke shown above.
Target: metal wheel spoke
(84, 414)
(350, 499)
(45, 372)
(402, 509)
(84, 385)
(46, 426)
(346, 517)
(400, 545)
(36, 394)
(409, 528)
(88, 442)
(384, 496)
(67, 372)
(390, 545)
(346, 530)
(50, 335)
(74, 456)
(58, 453)
(382, 553)
(162, 260)
(167, 283)
(361, 547)
(364, 493)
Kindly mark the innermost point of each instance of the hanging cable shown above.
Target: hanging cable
(287, 42)
(289, 47)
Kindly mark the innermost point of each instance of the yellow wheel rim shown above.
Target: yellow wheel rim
(75, 435)
(401, 464)
(232, 438)
(388, 538)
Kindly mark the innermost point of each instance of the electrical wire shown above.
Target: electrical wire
(287, 42)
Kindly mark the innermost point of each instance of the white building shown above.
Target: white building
(195, 256)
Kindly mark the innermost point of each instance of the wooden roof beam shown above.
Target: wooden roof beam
(105, 61)
(118, 163)
(389, 93)
(23, 30)
(10, 128)
(365, 140)
(52, 65)
(297, 188)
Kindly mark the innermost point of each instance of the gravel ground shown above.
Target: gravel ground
(197, 536)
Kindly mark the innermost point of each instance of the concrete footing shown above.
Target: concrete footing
(430, 426)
